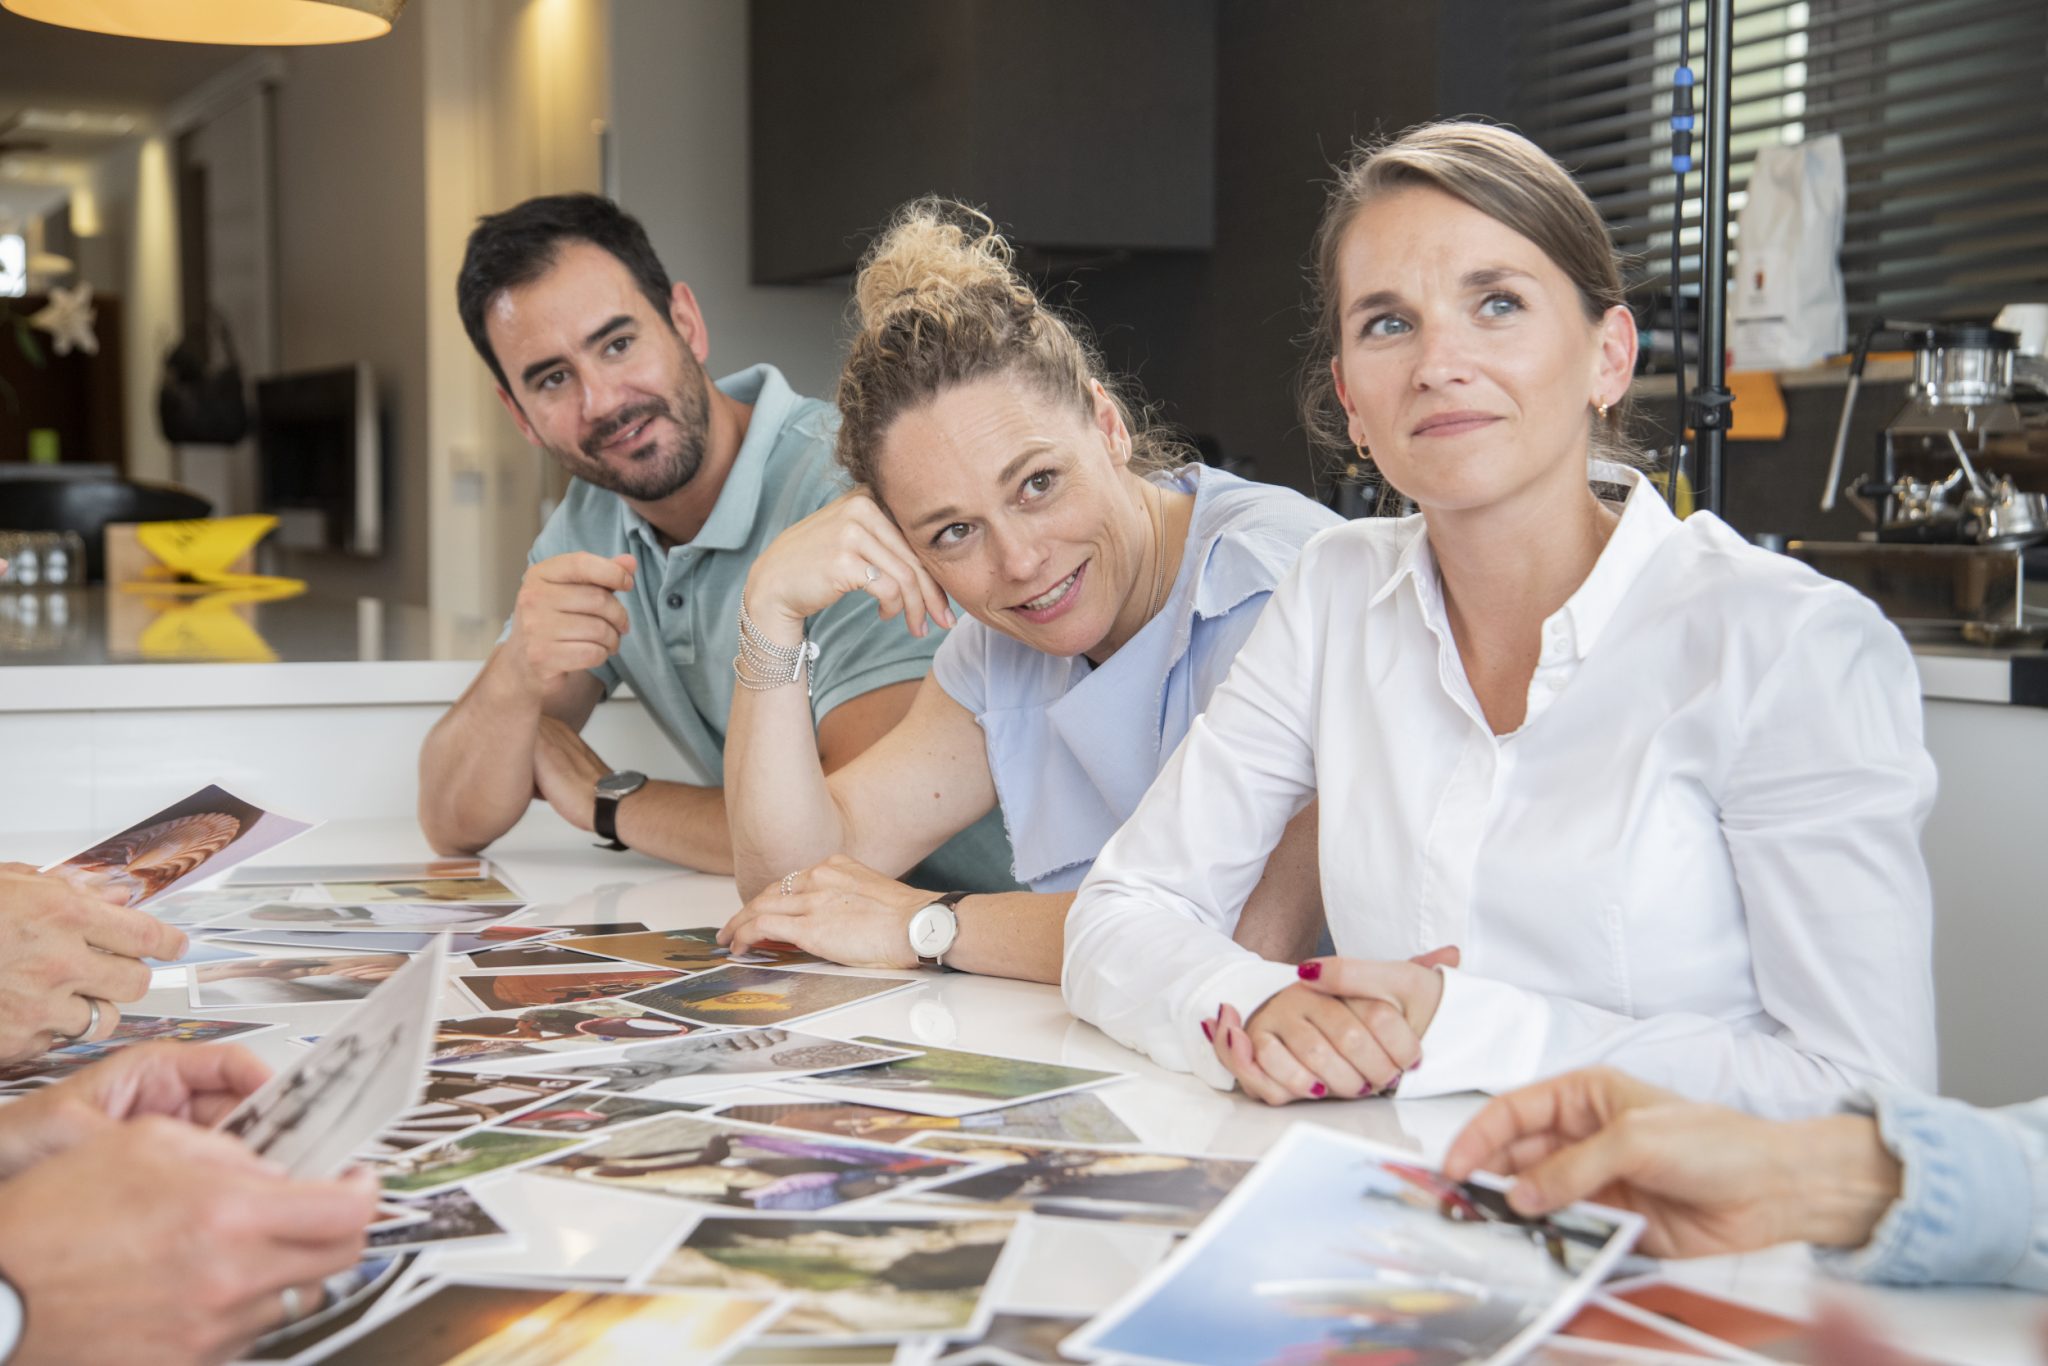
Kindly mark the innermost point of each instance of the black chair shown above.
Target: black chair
(87, 505)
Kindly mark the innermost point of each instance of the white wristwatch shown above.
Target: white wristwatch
(13, 1319)
(934, 928)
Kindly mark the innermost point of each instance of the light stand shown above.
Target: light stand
(1707, 407)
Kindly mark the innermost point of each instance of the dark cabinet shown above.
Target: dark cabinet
(1085, 126)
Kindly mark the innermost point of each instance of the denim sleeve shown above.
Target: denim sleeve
(1974, 1208)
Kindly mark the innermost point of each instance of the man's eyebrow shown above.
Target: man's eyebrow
(541, 367)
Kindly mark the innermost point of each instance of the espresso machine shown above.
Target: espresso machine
(1957, 492)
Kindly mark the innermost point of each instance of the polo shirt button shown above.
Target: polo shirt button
(675, 600)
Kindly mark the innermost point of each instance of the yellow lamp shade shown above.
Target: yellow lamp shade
(254, 23)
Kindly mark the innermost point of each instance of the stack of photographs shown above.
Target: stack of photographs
(476, 1042)
(710, 1062)
(1174, 1190)
(946, 1081)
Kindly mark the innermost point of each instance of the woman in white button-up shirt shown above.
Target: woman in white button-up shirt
(1661, 790)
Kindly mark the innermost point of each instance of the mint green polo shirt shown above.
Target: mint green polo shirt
(685, 602)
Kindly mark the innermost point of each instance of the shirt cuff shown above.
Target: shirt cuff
(1966, 1208)
(1486, 1035)
(1245, 985)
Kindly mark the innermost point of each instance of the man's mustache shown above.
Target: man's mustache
(619, 422)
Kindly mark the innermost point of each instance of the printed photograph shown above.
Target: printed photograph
(744, 996)
(1017, 1340)
(305, 874)
(714, 1161)
(695, 950)
(1174, 1190)
(1337, 1249)
(543, 955)
(474, 1040)
(854, 1279)
(425, 1171)
(1597, 1328)
(389, 941)
(362, 1074)
(456, 1102)
(197, 837)
(589, 1111)
(133, 1029)
(199, 951)
(1730, 1321)
(472, 890)
(712, 1062)
(307, 915)
(310, 979)
(503, 1325)
(945, 1081)
(453, 1216)
(203, 906)
(517, 990)
(1077, 1118)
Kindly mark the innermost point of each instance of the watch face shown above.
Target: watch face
(931, 931)
(622, 784)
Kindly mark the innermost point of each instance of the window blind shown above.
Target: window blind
(1942, 107)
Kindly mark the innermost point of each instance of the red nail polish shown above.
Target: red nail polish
(1310, 971)
(1208, 1031)
(1368, 1090)
(1393, 1087)
(1319, 1090)
(1416, 1066)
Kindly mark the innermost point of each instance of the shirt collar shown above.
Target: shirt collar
(1645, 522)
(731, 523)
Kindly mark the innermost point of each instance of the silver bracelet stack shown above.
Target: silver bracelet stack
(762, 665)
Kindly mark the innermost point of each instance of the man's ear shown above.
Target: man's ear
(688, 320)
(518, 416)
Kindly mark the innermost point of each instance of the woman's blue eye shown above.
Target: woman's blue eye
(1508, 304)
(946, 536)
(1385, 325)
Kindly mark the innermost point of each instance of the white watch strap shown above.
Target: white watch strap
(13, 1318)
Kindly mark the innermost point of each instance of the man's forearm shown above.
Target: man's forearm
(476, 767)
(679, 823)
(1012, 934)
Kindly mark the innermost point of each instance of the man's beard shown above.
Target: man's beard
(654, 470)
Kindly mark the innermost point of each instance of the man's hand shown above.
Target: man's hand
(197, 1083)
(1350, 1027)
(566, 617)
(565, 773)
(841, 910)
(156, 1243)
(60, 946)
(1709, 1180)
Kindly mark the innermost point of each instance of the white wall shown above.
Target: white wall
(679, 163)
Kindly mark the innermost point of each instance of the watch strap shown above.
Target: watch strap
(604, 818)
(13, 1318)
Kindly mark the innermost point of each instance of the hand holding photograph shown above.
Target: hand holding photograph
(133, 1029)
(718, 1162)
(1337, 1247)
(206, 833)
(855, 1280)
(362, 1074)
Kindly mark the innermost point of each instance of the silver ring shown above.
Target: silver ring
(788, 885)
(293, 1310)
(92, 1024)
(872, 575)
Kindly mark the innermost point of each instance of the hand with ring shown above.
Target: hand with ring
(66, 958)
(841, 910)
(848, 546)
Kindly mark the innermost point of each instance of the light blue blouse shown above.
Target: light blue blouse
(1073, 747)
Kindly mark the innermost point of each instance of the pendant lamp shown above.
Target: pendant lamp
(252, 23)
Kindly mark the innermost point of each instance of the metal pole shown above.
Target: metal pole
(1711, 399)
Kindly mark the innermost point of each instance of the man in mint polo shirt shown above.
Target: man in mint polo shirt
(678, 484)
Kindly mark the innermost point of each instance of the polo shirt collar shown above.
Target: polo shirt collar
(731, 523)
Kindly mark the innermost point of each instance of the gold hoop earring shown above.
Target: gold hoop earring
(1363, 454)
(1601, 409)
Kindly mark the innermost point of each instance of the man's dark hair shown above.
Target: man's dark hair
(518, 246)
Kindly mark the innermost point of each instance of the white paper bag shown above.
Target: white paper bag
(1786, 307)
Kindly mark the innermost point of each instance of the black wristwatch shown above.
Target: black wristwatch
(612, 789)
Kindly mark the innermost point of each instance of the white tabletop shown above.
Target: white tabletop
(571, 1229)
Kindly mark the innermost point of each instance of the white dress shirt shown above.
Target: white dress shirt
(1698, 858)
